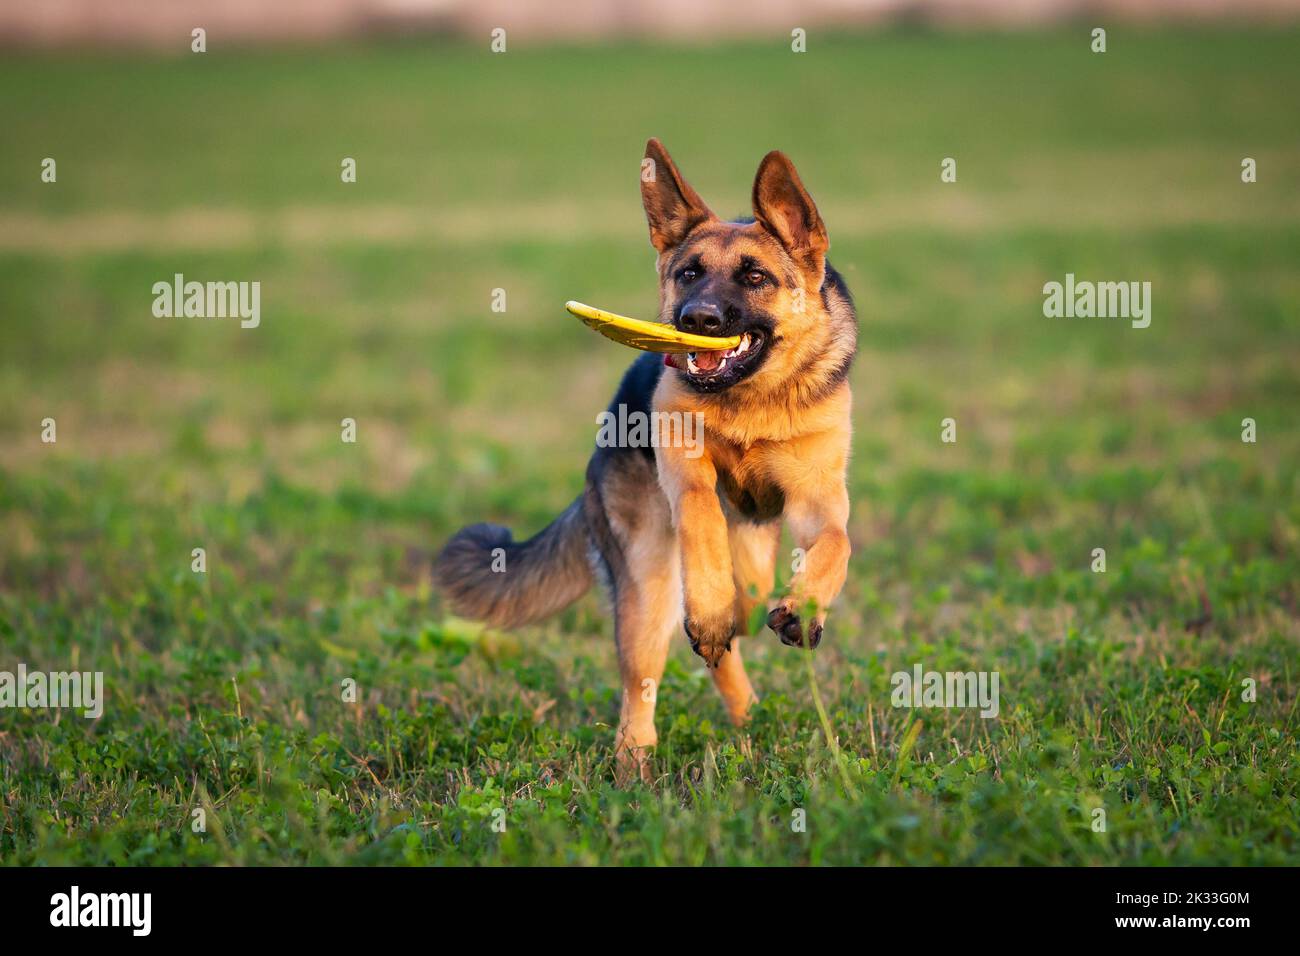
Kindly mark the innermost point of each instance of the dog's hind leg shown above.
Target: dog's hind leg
(636, 555)
(753, 562)
(647, 617)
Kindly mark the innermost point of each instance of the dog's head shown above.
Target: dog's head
(760, 279)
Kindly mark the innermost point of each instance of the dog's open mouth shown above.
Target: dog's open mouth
(719, 369)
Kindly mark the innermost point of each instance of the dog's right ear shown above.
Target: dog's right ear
(786, 210)
(672, 207)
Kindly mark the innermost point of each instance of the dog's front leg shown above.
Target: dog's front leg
(817, 512)
(820, 531)
(709, 590)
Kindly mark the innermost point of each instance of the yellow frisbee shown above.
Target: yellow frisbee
(648, 336)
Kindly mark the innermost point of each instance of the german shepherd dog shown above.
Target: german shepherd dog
(691, 536)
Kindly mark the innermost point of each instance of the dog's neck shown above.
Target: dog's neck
(744, 419)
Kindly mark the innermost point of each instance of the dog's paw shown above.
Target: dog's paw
(711, 637)
(633, 765)
(789, 627)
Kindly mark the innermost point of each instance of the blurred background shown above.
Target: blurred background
(158, 22)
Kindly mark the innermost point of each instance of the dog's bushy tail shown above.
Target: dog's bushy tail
(525, 581)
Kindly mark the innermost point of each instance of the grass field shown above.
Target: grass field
(1120, 691)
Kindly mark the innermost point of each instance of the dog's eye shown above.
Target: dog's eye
(755, 278)
(688, 275)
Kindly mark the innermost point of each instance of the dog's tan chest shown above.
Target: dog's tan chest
(759, 502)
(744, 481)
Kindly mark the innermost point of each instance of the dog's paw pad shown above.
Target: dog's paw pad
(786, 625)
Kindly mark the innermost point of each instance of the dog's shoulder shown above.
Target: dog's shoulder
(635, 393)
(639, 382)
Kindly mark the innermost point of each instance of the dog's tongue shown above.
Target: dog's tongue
(704, 361)
(707, 361)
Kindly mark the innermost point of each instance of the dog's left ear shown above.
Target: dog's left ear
(785, 209)
(672, 207)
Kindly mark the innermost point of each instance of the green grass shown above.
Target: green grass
(519, 172)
